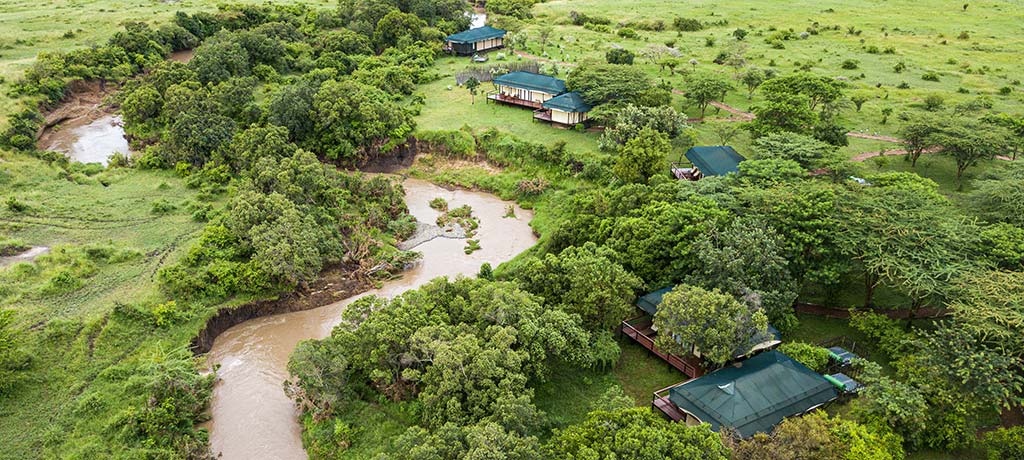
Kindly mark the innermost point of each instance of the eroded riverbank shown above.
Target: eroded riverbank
(251, 416)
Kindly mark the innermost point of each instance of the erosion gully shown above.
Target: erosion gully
(251, 416)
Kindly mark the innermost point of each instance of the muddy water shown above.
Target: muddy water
(251, 416)
(26, 256)
(89, 141)
(182, 56)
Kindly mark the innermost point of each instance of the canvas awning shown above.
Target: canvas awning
(754, 395)
(531, 82)
(476, 35)
(717, 160)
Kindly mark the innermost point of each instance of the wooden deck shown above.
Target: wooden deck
(510, 100)
(665, 406)
(642, 331)
(542, 115)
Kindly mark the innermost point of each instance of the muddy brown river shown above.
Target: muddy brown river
(251, 416)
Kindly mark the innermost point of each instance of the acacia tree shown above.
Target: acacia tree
(906, 234)
(918, 136)
(702, 89)
(692, 318)
(472, 84)
(968, 143)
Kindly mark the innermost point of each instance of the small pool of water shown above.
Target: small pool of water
(90, 142)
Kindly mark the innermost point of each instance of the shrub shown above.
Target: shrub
(619, 56)
(930, 76)
(162, 206)
(1005, 91)
(933, 102)
(964, 35)
(687, 24)
(14, 205)
(1004, 443)
(439, 204)
(872, 49)
(812, 356)
(626, 32)
(740, 34)
(850, 64)
(531, 187)
(899, 67)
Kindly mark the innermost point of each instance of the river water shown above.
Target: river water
(251, 416)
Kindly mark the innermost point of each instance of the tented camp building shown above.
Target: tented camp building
(750, 397)
(525, 89)
(568, 109)
(476, 40)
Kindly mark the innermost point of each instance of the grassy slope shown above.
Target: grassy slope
(29, 27)
(66, 215)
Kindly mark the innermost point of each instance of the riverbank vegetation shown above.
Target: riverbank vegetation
(242, 189)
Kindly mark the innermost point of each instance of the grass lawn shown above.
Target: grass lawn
(569, 395)
(454, 108)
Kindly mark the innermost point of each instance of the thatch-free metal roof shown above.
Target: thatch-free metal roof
(531, 82)
(717, 160)
(476, 35)
(568, 102)
(755, 395)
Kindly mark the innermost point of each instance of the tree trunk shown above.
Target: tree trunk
(870, 282)
(914, 155)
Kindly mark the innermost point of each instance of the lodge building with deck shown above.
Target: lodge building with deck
(751, 396)
(472, 41)
(546, 95)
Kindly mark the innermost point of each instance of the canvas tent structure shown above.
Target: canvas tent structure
(472, 41)
(751, 397)
(525, 89)
(567, 109)
(717, 160)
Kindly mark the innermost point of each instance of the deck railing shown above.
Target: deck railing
(506, 99)
(688, 367)
(661, 402)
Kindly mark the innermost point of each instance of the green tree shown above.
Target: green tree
(604, 83)
(968, 143)
(805, 150)
(702, 89)
(619, 56)
(906, 234)
(636, 434)
(642, 156)
(692, 319)
(355, 120)
(787, 112)
(220, 58)
(814, 357)
(753, 78)
(819, 89)
(760, 278)
(918, 136)
(628, 121)
(586, 281)
(396, 28)
(1001, 198)
(472, 84)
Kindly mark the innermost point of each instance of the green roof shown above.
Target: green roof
(531, 82)
(476, 35)
(649, 302)
(717, 160)
(568, 102)
(755, 396)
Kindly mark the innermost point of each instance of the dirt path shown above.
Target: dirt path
(534, 57)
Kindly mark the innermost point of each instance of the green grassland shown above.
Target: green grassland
(108, 242)
(28, 28)
(979, 65)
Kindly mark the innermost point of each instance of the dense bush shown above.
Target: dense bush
(814, 357)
